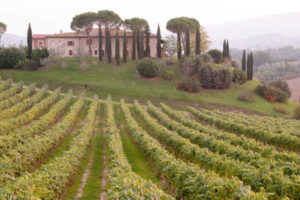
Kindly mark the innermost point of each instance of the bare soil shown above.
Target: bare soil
(294, 85)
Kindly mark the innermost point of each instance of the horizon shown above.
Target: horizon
(43, 21)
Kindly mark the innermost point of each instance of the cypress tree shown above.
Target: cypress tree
(147, 42)
(244, 61)
(124, 47)
(251, 64)
(100, 43)
(29, 42)
(179, 46)
(108, 44)
(227, 50)
(158, 40)
(138, 43)
(133, 45)
(142, 53)
(248, 67)
(187, 45)
(117, 49)
(224, 49)
(198, 42)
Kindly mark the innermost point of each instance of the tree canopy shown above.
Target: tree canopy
(136, 23)
(84, 22)
(3, 28)
(108, 18)
(182, 24)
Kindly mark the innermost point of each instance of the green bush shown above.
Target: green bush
(239, 76)
(38, 54)
(272, 94)
(206, 58)
(297, 113)
(281, 85)
(246, 97)
(188, 85)
(30, 65)
(167, 74)
(216, 55)
(9, 57)
(189, 65)
(214, 79)
(147, 67)
(279, 95)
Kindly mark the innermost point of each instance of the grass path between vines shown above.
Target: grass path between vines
(136, 158)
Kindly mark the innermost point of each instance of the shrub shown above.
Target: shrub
(38, 54)
(170, 62)
(239, 76)
(30, 65)
(190, 85)
(167, 74)
(281, 85)
(280, 110)
(272, 94)
(189, 66)
(297, 113)
(9, 57)
(214, 79)
(246, 97)
(235, 63)
(147, 67)
(216, 55)
(206, 58)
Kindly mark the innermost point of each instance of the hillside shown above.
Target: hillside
(122, 82)
(66, 146)
(260, 33)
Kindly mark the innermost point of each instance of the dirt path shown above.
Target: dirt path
(294, 85)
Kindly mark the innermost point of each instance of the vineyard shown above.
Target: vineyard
(61, 146)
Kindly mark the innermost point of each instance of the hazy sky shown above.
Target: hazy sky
(53, 15)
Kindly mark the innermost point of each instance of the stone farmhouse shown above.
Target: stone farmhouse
(73, 44)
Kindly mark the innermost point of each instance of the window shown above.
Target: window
(70, 52)
(70, 43)
(41, 44)
(96, 52)
(89, 41)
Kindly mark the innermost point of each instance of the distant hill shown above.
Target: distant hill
(258, 33)
(9, 39)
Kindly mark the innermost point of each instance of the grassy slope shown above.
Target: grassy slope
(122, 82)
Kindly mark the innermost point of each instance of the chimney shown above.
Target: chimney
(61, 32)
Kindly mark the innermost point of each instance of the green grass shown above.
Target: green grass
(136, 158)
(123, 82)
(92, 187)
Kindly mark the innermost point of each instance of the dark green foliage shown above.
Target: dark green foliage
(261, 90)
(147, 67)
(188, 85)
(244, 61)
(9, 57)
(249, 67)
(224, 53)
(227, 50)
(281, 85)
(198, 42)
(108, 44)
(100, 43)
(138, 43)
(117, 48)
(38, 54)
(206, 57)
(147, 42)
(133, 45)
(29, 42)
(142, 51)
(188, 44)
(216, 55)
(179, 50)
(297, 113)
(214, 79)
(124, 47)
(239, 76)
(27, 64)
(158, 39)
(246, 97)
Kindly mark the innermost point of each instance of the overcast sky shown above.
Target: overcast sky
(53, 15)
